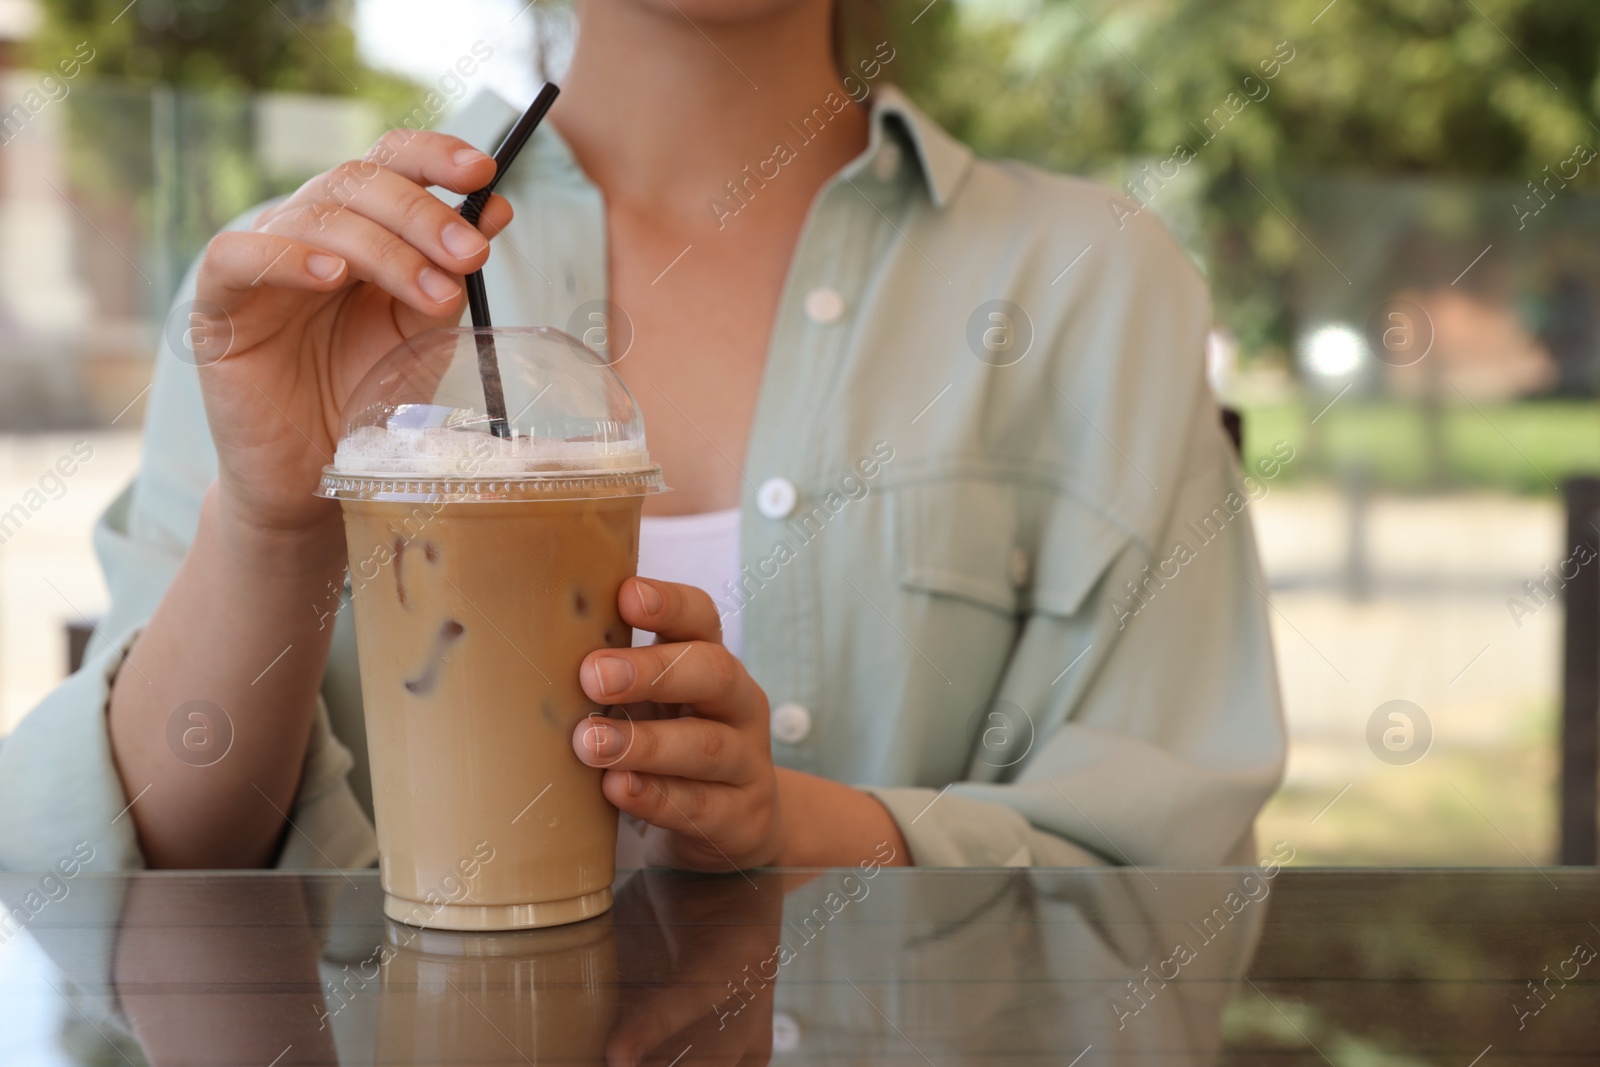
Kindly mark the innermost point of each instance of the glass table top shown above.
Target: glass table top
(914, 967)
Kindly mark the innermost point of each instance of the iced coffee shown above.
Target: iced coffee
(484, 567)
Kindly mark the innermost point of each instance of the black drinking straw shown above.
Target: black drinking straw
(471, 209)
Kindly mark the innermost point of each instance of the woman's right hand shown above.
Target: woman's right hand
(295, 310)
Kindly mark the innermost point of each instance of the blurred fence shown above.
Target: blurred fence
(1419, 334)
(106, 195)
(1425, 295)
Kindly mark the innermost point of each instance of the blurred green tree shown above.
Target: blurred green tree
(287, 45)
(1243, 99)
(1483, 88)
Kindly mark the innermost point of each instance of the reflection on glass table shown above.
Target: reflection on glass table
(1262, 965)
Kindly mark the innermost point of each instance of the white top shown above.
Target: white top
(700, 550)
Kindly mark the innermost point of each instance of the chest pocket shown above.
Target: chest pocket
(1012, 547)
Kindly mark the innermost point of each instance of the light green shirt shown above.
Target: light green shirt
(1016, 595)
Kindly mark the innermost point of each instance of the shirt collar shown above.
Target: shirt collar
(943, 161)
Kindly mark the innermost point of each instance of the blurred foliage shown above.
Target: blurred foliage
(1523, 447)
(1492, 90)
(1250, 124)
(305, 46)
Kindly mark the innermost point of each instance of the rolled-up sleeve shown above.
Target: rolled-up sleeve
(59, 784)
(965, 832)
(60, 790)
(1148, 719)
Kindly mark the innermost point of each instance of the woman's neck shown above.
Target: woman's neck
(662, 112)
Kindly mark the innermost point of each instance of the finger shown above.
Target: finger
(690, 747)
(408, 210)
(431, 158)
(711, 822)
(700, 673)
(422, 157)
(496, 215)
(237, 260)
(671, 611)
(701, 811)
(403, 207)
(374, 254)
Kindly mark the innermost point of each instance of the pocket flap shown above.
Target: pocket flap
(955, 536)
(1009, 546)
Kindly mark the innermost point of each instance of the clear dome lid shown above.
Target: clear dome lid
(425, 424)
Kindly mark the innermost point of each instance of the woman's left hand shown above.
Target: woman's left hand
(693, 756)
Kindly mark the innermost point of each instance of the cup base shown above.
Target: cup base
(497, 916)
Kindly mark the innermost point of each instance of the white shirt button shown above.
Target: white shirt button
(1017, 567)
(791, 723)
(785, 1032)
(887, 163)
(776, 497)
(824, 306)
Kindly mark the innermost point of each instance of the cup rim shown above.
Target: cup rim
(501, 488)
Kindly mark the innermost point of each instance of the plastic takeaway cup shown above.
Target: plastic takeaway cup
(483, 569)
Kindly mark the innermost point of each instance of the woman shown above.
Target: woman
(939, 422)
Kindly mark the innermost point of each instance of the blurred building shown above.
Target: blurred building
(44, 303)
(1480, 346)
(108, 190)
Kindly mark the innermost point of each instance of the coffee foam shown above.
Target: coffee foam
(447, 452)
